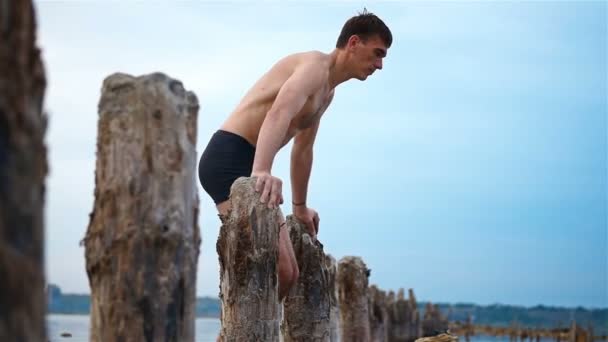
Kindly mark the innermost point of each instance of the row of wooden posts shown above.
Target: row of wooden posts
(142, 242)
(331, 300)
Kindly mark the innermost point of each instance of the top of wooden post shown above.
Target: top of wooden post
(158, 84)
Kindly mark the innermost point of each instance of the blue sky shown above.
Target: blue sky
(472, 168)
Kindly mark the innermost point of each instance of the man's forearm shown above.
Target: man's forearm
(301, 165)
(272, 134)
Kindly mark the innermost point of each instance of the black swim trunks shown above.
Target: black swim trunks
(227, 157)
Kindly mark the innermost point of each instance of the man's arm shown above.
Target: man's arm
(302, 157)
(292, 96)
(301, 163)
(289, 101)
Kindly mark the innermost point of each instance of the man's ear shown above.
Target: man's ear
(353, 41)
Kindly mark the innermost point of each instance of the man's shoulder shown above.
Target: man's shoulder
(304, 60)
(313, 62)
(315, 58)
(310, 65)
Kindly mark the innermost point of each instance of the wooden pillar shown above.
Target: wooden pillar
(469, 328)
(352, 293)
(379, 321)
(248, 251)
(434, 322)
(405, 324)
(414, 322)
(572, 332)
(392, 316)
(590, 333)
(142, 242)
(334, 305)
(23, 169)
(307, 306)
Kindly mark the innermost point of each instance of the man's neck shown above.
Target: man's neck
(338, 72)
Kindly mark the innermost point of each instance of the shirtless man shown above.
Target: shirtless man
(288, 102)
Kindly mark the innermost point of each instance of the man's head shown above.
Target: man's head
(366, 40)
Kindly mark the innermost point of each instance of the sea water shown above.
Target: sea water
(77, 326)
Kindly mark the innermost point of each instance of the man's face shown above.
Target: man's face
(368, 56)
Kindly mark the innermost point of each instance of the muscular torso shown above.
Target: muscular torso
(247, 118)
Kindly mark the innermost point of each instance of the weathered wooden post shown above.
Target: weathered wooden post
(23, 169)
(332, 288)
(577, 333)
(414, 322)
(469, 328)
(514, 331)
(352, 293)
(379, 322)
(248, 251)
(142, 242)
(434, 322)
(406, 325)
(590, 333)
(572, 332)
(307, 307)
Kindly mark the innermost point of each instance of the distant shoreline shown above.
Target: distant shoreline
(495, 315)
(88, 314)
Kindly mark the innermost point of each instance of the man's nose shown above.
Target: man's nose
(378, 64)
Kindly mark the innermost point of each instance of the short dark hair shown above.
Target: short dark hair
(365, 25)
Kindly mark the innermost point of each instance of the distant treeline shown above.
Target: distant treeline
(495, 315)
(78, 304)
(539, 316)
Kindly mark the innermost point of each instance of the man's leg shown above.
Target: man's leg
(287, 260)
(288, 266)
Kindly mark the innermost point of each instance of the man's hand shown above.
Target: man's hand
(309, 217)
(271, 188)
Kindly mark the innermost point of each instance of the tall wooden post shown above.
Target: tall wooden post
(332, 288)
(434, 323)
(379, 321)
(248, 252)
(142, 242)
(415, 323)
(23, 169)
(406, 325)
(352, 290)
(307, 307)
(590, 333)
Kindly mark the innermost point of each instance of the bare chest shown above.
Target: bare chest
(311, 111)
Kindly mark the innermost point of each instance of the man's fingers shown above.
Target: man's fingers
(275, 194)
(273, 197)
(258, 184)
(310, 226)
(266, 191)
(278, 192)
